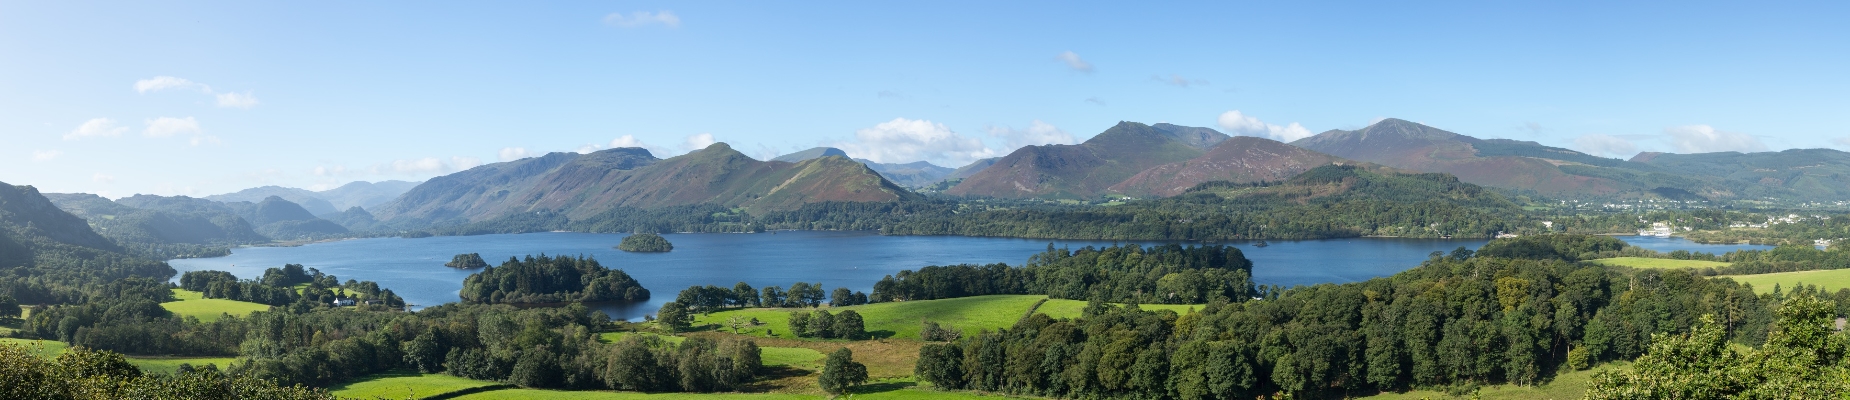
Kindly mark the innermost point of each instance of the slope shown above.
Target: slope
(913, 174)
(1809, 174)
(582, 186)
(1502, 163)
(126, 224)
(1241, 159)
(364, 194)
(49, 256)
(1087, 169)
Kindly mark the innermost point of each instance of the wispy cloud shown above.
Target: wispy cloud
(1238, 123)
(888, 94)
(1605, 145)
(1179, 81)
(1842, 141)
(1095, 100)
(237, 100)
(96, 127)
(632, 141)
(100, 177)
(643, 18)
(168, 126)
(1706, 139)
(160, 83)
(45, 155)
(908, 140)
(428, 165)
(512, 153)
(1531, 128)
(1073, 61)
(697, 141)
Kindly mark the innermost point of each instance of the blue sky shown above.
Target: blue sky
(199, 98)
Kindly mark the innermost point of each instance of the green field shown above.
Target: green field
(896, 389)
(1659, 263)
(791, 356)
(1830, 280)
(194, 304)
(1571, 385)
(51, 349)
(902, 319)
(405, 384)
(613, 337)
(899, 319)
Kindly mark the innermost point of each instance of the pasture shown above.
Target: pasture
(405, 384)
(1830, 280)
(194, 304)
(1659, 263)
(900, 319)
(51, 349)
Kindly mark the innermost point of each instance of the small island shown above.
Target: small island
(645, 243)
(467, 261)
(551, 280)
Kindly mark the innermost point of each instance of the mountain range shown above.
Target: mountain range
(579, 186)
(1135, 159)
(912, 175)
(361, 194)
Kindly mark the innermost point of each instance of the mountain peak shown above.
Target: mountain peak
(1197, 137)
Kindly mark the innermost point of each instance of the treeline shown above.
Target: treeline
(704, 299)
(278, 287)
(1802, 358)
(551, 280)
(1452, 321)
(1169, 274)
(82, 373)
(821, 324)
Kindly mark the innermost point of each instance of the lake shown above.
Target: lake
(414, 269)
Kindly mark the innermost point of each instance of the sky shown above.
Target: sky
(201, 98)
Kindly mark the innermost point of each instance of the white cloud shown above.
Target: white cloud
(96, 127)
(1179, 81)
(632, 141)
(588, 148)
(1705, 139)
(697, 142)
(462, 163)
(907, 140)
(1095, 100)
(45, 155)
(1605, 145)
(1073, 61)
(513, 153)
(1241, 124)
(160, 83)
(99, 177)
(168, 126)
(337, 170)
(1038, 133)
(237, 100)
(643, 18)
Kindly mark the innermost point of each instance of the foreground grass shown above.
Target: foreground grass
(1830, 280)
(1659, 263)
(405, 384)
(194, 304)
(51, 349)
(1571, 385)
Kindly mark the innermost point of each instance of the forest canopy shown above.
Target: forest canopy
(546, 279)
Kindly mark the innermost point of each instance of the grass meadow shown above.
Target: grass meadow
(194, 304)
(1830, 280)
(405, 384)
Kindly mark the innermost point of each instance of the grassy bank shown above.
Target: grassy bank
(1830, 280)
(194, 304)
(51, 349)
(406, 385)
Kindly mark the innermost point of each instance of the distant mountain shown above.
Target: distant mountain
(1812, 174)
(1241, 159)
(363, 194)
(25, 215)
(971, 170)
(283, 219)
(126, 224)
(1087, 169)
(581, 186)
(354, 219)
(913, 174)
(818, 152)
(1504, 163)
(309, 200)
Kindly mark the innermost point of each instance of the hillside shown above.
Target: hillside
(1087, 169)
(974, 167)
(1813, 174)
(126, 224)
(364, 194)
(1241, 159)
(48, 256)
(309, 200)
(282, 219)
(1504, 163)
(912, 174)
(582, 186)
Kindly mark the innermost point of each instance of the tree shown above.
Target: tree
(746, 296)
(467, 261)
(773, 297)
(425, 353)
(674, 317)
(841, 373)
(9, 308)
(738, 322)
(1802, 358)
(848, 325)
(941, 364)
(799, 323)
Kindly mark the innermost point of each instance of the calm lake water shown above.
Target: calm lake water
(414, 269)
